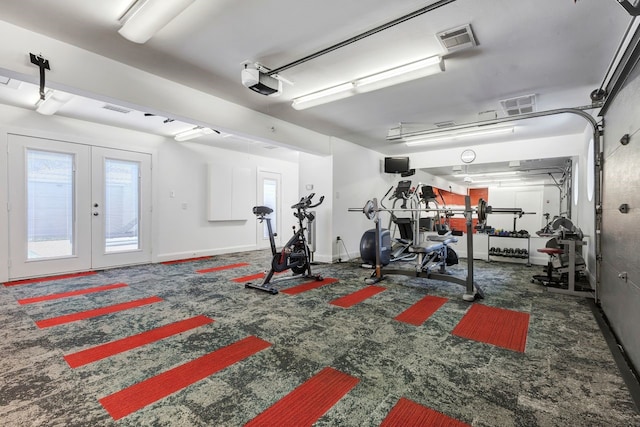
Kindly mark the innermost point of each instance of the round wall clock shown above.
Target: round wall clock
(468, 156)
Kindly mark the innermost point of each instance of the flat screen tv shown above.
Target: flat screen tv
(396, 164)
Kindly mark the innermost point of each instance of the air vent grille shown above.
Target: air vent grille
(519, 105)
(9, 82)
(456, 39)
(116, 108)
(446, 124)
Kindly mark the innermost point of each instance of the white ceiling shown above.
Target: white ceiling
(558, 50)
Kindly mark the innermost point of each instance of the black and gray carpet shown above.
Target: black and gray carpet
(169, 346)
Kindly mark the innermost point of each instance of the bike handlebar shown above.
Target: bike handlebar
(305, 202)
(319, 203)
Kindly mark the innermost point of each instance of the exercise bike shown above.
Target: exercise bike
(295, 254)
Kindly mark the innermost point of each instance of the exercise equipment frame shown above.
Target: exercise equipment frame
(472, 290)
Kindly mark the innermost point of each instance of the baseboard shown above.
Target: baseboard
(174, 256)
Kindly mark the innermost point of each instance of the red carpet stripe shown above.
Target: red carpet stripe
(497, 326)
(137, 396)
(248, 278)
(49, 278)
(180, 261)
(358, 296)
(308, 402)
(68, 318)
(222, 267)
(421, 311)
(308, 286)
(408, 413)
(112, 348)
(61, 295)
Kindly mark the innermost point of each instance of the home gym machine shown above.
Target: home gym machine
(565, 271)
(401, 245)
(295, 254)
(472, 290)
(424, 264)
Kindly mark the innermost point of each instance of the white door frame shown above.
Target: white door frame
(84, 256)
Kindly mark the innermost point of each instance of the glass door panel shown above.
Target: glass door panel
(50, 204)
(122, 205)
(268, 187)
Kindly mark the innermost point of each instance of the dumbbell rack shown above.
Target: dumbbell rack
(507, 256)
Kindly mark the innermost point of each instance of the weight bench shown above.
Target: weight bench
(559, 264)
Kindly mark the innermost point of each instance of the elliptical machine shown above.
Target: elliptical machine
(295, 254)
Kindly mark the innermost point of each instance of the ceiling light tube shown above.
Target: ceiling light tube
(485, 181)
(196, 132)
(323, 96)
(437, 137)
(474, 175)
(435, 64)
(52, 102)
(147, 17)
(393, 76)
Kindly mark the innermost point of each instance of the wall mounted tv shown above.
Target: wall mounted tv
(396, 164)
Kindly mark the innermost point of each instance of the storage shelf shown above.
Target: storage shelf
(510, 256)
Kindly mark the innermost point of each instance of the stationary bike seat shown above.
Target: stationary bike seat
(262, 210)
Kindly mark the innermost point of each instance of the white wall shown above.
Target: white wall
(356, 179)
(583, 214)
(316, 176)
(177, 167)
(559, 146)
(186, 232)
(4, 214)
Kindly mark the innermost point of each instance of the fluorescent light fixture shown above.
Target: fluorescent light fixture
(323, 96)
(390, 77)
(146, 17)
(432, 63)
(452, 136)
(196, 132)
(52, 102)
(474, 175)
(485, 181)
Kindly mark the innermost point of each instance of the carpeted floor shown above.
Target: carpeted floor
(186, 345)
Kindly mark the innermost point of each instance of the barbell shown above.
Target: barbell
(371, 209)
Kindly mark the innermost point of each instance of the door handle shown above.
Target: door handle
(96, 214)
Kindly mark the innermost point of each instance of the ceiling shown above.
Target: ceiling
(558, 50)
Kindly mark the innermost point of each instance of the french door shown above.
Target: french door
(73, 207)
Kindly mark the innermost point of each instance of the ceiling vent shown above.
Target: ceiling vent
(446, 124)
(457, 39)
(10, 83)
(520, 105)
(487, 115)
(116, 108)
